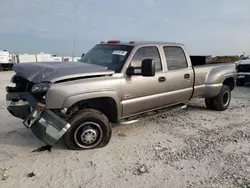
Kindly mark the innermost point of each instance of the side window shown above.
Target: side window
(175, 57)
(147, 52)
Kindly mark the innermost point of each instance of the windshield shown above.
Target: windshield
(111, 56)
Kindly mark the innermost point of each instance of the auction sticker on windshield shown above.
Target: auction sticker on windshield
(119, 52)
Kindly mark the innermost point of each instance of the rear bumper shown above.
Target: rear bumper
(44, 123)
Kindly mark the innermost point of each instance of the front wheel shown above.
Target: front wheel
(89, 129)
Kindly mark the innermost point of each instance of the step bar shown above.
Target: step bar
(146, 115)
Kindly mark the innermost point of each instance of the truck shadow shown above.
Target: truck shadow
(18, 137)
(165, 111)
(196, 107)
(246, 85)
(24, 137)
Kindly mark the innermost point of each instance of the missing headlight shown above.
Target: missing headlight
(40, 88)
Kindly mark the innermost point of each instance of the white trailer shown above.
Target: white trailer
(5, 60)
(26, 58)
(43, 57)
(57, 58)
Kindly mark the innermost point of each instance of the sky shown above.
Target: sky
(206, 27)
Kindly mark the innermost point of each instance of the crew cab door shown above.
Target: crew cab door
(180, 75)
(140, 93)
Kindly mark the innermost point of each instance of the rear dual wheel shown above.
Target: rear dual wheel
(221, 101)
(89, 129)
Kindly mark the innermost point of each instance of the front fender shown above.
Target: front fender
(69, 101)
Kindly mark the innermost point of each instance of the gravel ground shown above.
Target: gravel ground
(194, 147)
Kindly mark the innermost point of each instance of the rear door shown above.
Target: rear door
(140, 93)
(179, 75)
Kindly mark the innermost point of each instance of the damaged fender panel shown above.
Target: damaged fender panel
(49, 127)
(46, 125)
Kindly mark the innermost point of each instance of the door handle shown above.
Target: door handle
(161, 79)
(186, 76)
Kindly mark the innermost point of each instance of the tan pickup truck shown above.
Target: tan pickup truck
(79, 101)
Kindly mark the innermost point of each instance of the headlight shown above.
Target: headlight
(40, 88)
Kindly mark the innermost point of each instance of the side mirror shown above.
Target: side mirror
(148, 67)
(130, 71)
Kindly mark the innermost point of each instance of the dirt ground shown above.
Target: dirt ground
(195, 147)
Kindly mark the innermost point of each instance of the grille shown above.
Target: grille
(243, 68)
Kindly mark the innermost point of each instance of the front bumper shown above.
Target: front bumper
(243, 76)
(17, 105)
(44, 123)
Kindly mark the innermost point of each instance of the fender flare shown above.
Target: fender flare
(71, 100)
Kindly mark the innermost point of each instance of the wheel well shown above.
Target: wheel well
(106, 105)
(230, 83)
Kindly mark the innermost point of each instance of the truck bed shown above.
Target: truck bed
(202, 80)
(198, 60)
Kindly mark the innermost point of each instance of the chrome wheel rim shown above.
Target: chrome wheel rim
(88, 135)
(225, 98)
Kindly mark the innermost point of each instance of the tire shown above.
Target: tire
(209, 103)
(222, 101)
(240, 82)
(91, 123)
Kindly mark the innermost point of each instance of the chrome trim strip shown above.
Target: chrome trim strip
(19, 103)
(53, 132)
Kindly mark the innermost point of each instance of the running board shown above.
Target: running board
(132, 120)
(184, 107)
(127, 122)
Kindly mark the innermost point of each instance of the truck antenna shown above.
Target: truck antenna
(73, 51)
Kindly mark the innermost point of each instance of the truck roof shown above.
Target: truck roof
(135, 43)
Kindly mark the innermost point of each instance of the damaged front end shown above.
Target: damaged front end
(45, 124)
(27, 101)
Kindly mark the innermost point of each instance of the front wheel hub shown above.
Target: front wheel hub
(88, 135)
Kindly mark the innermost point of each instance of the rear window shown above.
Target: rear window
(150, 52)
(175, 57)
(111, 56)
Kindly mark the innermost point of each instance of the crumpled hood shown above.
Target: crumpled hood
(38, 72)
